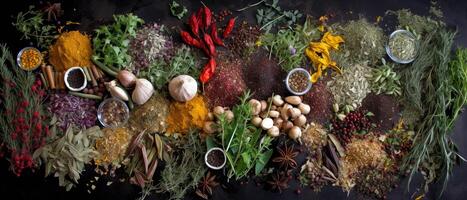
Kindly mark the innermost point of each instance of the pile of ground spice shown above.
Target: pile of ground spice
(320, 100)
(243, 39)
(70, 50)
(187, 115)
(150, 116)
(360, 153)
(385, 109)
(112, 146)
(263, 76)
(227, 84)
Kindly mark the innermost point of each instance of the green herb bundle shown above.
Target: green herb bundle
(111, 42)
(184, 168)
(273, 15)
(244, 145)
(440, 85)
(32, 26)
(385, 80)
(160, 72)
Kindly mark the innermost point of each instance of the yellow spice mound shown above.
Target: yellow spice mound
(70, 50)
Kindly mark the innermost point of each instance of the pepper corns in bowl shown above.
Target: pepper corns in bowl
(113, 112)
(298, 81)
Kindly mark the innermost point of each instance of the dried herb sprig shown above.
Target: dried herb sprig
(32, 25)
(444, 85)
(184, 168)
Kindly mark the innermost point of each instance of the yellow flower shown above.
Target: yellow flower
(258, 43)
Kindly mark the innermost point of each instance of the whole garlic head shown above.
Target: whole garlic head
(143, 91)
(183, 88)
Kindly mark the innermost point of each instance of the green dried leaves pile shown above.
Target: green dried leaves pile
(384, 80)
(67, 156)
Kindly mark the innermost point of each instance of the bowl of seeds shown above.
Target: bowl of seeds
(402, 46)
(113, 112)
(215, 158)
(29, 58)
(298, 81)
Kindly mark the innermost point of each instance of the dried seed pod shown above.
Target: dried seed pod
(294, 100)
(267, 123)
(264, 105)
(274, 131)
(295, 133)
(273, 114)
(218, 111)
(256, 106)
(210, 116)
(304, 108)
(256, 121)
(278, 122)
(277, 100)
(293, 112)
(287, 125)
(209, 127)
(229, 115)
(300, 121)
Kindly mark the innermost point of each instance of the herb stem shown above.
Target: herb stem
(250, 6)
(272, 21)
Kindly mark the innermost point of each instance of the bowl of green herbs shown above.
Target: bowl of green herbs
(402, 46)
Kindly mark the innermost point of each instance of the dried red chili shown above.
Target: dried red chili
(187, 38)
(214, 35)
(208, 71)
(207, 17)
(194, 24)
(199, 16)
(229, 28)
(210, 44)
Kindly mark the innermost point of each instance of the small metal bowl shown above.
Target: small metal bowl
(65, 79)
(100, 112)
(298, 70)
(206, 158)
(392, 56)
(20, 53)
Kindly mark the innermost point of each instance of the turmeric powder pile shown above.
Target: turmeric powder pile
(184, 116)
(70, 50)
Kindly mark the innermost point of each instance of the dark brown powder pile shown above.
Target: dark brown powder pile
(385, 109)
(243, 39)
(320, 100)
(264, 76)
(227, 84)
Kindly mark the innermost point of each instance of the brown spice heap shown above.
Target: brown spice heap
(360, 153)
(376, 183)
(150, 116)
(315, 137)
(227, 84)
(320, 100)
(112, 146)
(264, 76)
(314, 175)
(70, 50)
(242, 40)
(298, 81)
(184, 116)
(385, 109)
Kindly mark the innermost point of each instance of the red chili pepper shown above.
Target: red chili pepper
(199, 16)
(229, 28)
(208, 71)
(214, 35)
(187, 38)
(194, 24)
(207, 17)
(210, 44)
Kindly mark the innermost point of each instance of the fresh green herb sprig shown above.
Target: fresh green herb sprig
(32, 25)
(159, 73)
(184, 168)
(111, 42)
(244, 145)
(273, 16)
(385, 80)
(287, 46)
(178, 10)
(443, 84)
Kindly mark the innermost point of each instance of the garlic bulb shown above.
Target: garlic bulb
(126, 78)
(116, 91)
(183, 88)
(143, 91)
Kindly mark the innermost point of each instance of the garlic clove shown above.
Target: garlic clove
(116, 91)
(142, 92)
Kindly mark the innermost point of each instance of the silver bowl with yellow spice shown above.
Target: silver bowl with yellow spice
(402, 46)
(29, 58)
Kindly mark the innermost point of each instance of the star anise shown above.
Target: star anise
(207, 184)
(53, 10)
(279, 182)
(286, 157)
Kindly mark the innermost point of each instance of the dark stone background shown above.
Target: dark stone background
(94, 12)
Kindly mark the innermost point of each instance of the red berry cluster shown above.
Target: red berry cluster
(353, 123)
